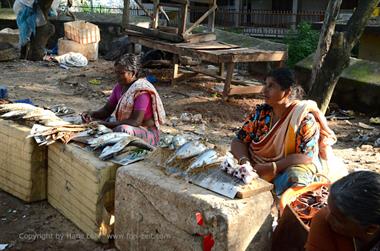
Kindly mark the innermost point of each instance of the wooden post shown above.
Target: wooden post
(156, 12)
(183, 19)
(175, 68)
(211, 18)
(227, 84)
(221, 69)
(125, 18)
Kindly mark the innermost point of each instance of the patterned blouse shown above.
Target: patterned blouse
(259, 123)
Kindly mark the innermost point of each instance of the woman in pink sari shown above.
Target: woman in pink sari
(134, 102)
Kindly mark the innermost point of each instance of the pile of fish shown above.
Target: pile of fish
(61, 109)
(308, 204)
(21, 111)
(244, 172)
(193, 152)
(46, 135)
(118, 143)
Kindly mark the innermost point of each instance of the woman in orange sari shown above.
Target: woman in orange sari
(286, 140)
(351, 221)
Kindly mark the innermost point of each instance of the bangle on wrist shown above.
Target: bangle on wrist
(274, 165)
(242, 159)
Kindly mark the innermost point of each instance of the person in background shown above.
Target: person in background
(285, 139)
(351, 221)
(134, 101)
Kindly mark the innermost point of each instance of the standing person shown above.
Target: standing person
(134, 101)
(35, 30)
(351, 221)
(286, 139)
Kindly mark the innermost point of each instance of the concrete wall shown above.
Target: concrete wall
(369, 47)
(358, 87)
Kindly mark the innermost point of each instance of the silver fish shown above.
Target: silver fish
(165, 140)
(206, 158)
(107, 139)
(188, 150)
(178, 141)
(108, 151)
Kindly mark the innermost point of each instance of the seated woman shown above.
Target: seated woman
(285, 139)
(351, 221)
(134, 101)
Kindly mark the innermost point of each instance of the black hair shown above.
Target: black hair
(130, 62)
(285, 78)
(357, 196)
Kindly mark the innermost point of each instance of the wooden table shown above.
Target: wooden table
(222, 54)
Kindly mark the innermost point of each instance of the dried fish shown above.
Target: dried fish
(206, 158)
(13, 114)
(188, 150)
(16, 107)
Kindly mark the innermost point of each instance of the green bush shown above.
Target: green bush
(301, 43)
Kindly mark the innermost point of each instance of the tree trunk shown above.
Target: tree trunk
(125, 19)
(327, 32)
(338, 55)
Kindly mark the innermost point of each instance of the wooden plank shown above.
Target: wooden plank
(175, 69)
(155, 33)
(168, 29)
(199, 37)
(256, 187)
(238, 90)
(245, 55)
(201, 19)
(217, 76)
(210, 45)
(154, 44)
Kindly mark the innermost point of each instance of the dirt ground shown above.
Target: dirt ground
(38, 226)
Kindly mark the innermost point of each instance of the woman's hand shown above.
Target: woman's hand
(86, 117)
(265, 171)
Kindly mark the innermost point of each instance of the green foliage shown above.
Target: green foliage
(301, 43)
(86, 8)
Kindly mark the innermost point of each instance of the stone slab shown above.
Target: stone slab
(23, 169)
(157, 212)
(81, 187)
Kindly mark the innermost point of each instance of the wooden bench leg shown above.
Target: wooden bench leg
(175, 69)
(227, 84)
(221, 69)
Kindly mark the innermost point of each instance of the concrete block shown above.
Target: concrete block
(23, 168)
(81, 187)
(157, 212)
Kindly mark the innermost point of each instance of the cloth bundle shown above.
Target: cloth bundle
(244, 172)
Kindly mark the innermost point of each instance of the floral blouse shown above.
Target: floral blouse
(259, 124)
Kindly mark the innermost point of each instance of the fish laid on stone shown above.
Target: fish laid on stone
(109, 151)
(188, 150)
(208, 157)
(165, 140)
(178, 141)
(107, 139)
